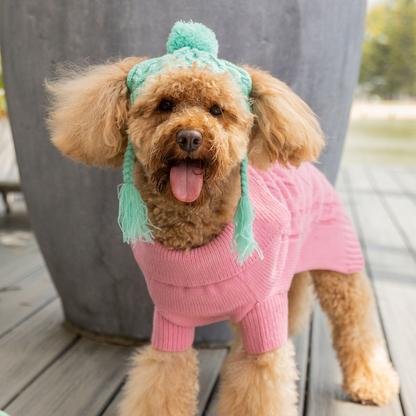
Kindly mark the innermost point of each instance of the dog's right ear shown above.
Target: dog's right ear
(89, 112)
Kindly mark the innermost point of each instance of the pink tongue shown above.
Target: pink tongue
(186, 180)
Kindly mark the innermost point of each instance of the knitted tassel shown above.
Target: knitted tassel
(243, 243)
(132, 216)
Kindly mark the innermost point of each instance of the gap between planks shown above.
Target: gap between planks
(30, 349)
(18, 266)
(34, 293)
(393, 272)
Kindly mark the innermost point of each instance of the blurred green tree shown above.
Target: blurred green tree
(388, 66)
(3, 105)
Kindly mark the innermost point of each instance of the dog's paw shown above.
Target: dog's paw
(374, 381)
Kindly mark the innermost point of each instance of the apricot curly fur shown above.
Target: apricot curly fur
(161, 384)
(301, 300)
(88, 111)
(348, 300)
(182, 225)
(258, 384)
(286, 129)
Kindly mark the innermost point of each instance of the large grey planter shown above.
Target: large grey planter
(313, 45)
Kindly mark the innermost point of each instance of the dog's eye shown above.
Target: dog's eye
(215, 110)
(165, 105)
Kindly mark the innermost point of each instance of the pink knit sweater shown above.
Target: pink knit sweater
(300, 225)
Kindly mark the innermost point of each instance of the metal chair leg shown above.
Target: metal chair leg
(8, 210)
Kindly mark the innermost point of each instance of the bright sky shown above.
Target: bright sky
(371, 3)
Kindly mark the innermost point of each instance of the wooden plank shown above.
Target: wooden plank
(401, 209)
(387, 253)
(210, 362)
(210, 366)
(343, 196)
(394, 275)
(211, 409)
(30, 348)
(400, 325)
(342, 192)
(302, 359)
(16, 238)
(325, 396)
(34, 292)
(112, 409)
(406, 179)
(19, 264)
(79, 383)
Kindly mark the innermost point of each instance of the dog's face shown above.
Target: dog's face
(189, 126)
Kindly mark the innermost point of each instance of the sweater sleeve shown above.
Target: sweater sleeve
(265, 327)
(167, 336)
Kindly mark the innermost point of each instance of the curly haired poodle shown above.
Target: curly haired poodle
(190, 123)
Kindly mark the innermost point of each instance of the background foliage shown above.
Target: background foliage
(388, 66)
(3, 106)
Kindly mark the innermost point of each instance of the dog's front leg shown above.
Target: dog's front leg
(259, 384)
(348, 301)
(161, 384)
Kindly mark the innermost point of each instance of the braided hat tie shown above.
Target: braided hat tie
(188, 43)
(132, 215)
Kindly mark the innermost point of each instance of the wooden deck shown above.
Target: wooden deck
(47, 371)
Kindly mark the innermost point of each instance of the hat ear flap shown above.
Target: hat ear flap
(89, 112)
(285, 130)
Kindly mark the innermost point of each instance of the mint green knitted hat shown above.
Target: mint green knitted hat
(187, 43)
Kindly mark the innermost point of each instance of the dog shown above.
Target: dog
(189, 127)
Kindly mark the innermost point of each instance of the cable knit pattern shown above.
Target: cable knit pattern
(300, 225)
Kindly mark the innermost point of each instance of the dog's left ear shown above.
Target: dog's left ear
(285, 129)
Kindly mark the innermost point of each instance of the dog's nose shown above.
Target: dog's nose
(189, 140)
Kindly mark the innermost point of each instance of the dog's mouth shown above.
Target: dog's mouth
(186, 179)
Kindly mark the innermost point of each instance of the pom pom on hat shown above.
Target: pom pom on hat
(192, 35)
